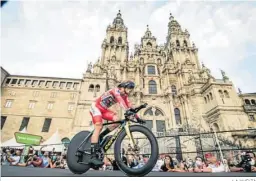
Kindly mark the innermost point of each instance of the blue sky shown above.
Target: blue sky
(58, 38)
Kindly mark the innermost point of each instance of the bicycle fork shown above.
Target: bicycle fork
(127, 129)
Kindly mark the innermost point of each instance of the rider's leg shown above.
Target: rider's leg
(97, 121)
(111, 116)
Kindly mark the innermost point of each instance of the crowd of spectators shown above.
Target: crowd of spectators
(209, 163)
(43, 159)
(165, 163)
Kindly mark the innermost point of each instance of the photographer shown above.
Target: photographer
(247, 163)
(35, 161)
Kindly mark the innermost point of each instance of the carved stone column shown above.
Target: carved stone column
(187, 110)
(172, 111)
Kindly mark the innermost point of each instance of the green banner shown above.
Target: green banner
(25, 152)
(27, 139)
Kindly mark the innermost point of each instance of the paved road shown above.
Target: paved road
(12, 171)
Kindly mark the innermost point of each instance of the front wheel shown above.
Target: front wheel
(151, 161)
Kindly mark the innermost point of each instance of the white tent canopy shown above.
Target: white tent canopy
(53, 142)
(12, 142)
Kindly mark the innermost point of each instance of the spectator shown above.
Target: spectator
(240, 166)
(46, 160)
(14, 159)
(168, 165)
(213, 165)
(199, 164)
(53, 161)
(4, 160)
(135, 162)
(181, 167)
(159, 163)
(189, 165)
(35, 161)
(139, 161)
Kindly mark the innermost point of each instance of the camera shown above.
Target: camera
(246, 162)
(57, 163)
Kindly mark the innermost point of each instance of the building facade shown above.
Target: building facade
(181, 93)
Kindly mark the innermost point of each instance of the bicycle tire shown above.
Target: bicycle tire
(74, 167)
(152, 160)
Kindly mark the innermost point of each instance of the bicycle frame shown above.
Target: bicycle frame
(124, 124)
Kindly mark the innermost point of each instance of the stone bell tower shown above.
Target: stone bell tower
(115, 51)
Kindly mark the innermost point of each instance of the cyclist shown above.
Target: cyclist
(99, 110)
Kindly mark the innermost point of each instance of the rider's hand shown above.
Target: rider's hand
(141, 121)
(132, 110)
(128, 112)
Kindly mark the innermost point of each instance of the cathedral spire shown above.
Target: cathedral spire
(173, 24)
(171, 17)
(118, 21)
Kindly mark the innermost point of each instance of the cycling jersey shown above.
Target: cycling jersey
(99, 108)
(112, 97)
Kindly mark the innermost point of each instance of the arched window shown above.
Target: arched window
(253, 102)
(149, 45)
(174, 90)
(159, 61)
(211, 96)
(177, 116)
(221, 93)
(226, 94)
(205, 100)
(141, 60)
(158, 112)
(91, 88)
(151, 70)
(97, 88)
(112, 39)
(185, 43)
(216, 127)
(247, 102)
(177, 43)
(152, 87)
(208, 98)
(120, 40)
(148, 112)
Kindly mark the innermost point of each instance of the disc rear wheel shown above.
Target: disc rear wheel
(73, 157)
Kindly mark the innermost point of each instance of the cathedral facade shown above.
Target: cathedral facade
(181, 93)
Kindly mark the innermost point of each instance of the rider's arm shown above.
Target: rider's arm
(119, 99)
(129, 104)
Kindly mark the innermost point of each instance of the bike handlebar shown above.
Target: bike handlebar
(135, 110)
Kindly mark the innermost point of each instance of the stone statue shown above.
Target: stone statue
(113, 58)
(224, 75)
(112, 72)
(239, 90)
(89, 68)
(191, 77)
(178, 65)
(193, 44)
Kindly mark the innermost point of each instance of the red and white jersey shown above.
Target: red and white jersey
(112, 97)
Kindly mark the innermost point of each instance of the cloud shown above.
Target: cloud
(58, 38)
